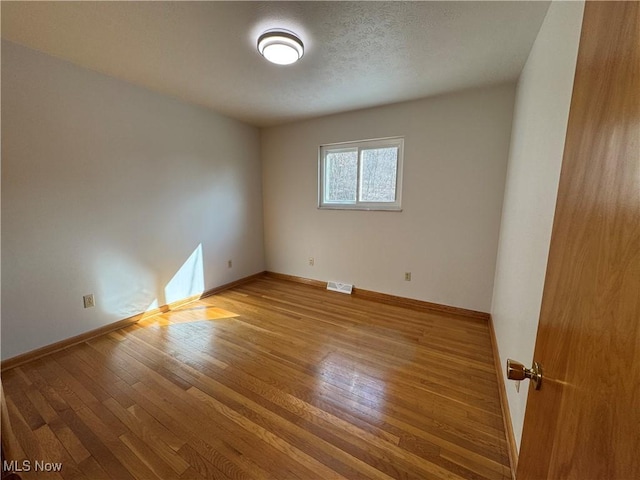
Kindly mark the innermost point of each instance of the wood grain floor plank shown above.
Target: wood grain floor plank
(69, 440)
(53, 452)
(299, 382)
(269, 380)
(27, 410)
(205, 468)
(93, 470)
(272, 439)
(481, 417)
(26, 445)
(149, 457)
(54, 399)
(147, 436)
(187, 420)
(99, 451)
(385, 451)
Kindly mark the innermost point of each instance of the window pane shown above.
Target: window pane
(378, 174)
(341, 176)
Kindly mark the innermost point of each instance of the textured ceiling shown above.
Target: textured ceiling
(358, 54)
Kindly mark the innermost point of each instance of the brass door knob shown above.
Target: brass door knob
(517, 371)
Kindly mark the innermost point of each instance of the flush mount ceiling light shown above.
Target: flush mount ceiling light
(280, 47)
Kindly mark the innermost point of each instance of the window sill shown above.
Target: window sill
(366, 209)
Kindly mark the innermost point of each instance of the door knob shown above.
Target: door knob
(517, 371)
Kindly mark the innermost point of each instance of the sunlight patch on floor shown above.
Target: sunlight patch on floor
(193, 312)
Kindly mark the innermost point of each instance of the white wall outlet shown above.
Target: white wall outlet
(229, 264)
(407, 276)
(312, 262)
(89, 301)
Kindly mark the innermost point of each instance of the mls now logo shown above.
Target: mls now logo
(28, 466)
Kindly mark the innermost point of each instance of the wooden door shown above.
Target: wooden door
(585, 421)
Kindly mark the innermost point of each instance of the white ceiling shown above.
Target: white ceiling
(357, 54)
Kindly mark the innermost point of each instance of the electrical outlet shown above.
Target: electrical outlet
(311, 262)
(89, 301)
(229, 264)
(407, 276)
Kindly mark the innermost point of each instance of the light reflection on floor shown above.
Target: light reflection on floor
(338, 369)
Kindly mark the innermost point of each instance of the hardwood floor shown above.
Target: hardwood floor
(269, 380)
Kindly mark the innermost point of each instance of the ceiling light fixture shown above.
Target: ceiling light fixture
(280, 47)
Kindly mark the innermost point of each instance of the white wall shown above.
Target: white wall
(456, 149)
(539, 128)
(109, 189)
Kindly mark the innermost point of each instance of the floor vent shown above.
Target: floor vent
(340, 287)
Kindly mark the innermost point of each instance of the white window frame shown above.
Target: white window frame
(361, 145)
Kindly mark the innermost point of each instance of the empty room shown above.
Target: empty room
(320, 240)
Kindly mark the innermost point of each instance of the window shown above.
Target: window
(363, 175)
